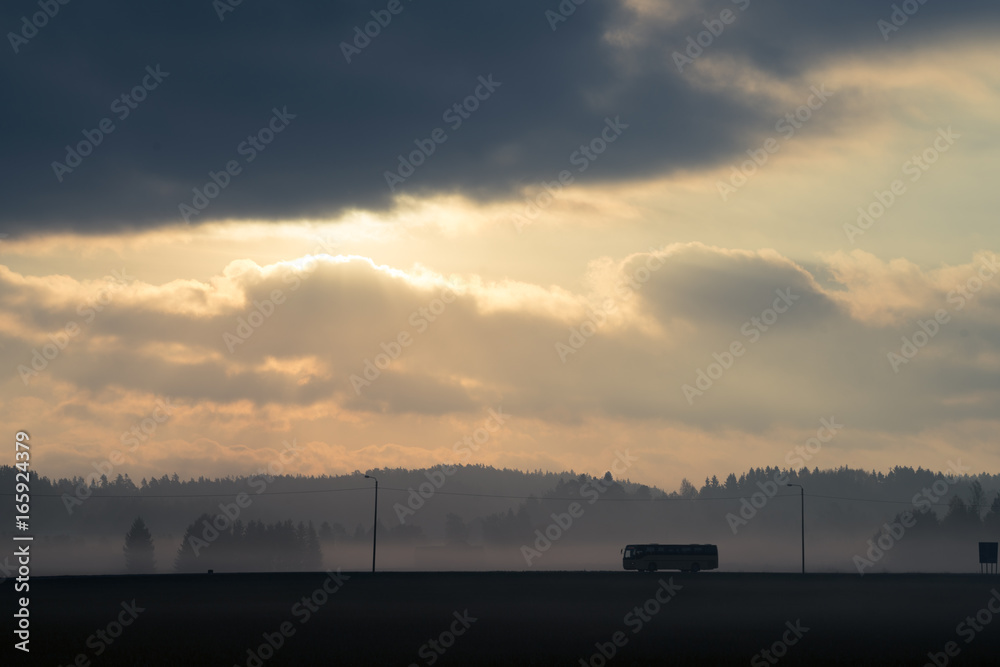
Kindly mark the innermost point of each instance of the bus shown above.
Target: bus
(653, 557)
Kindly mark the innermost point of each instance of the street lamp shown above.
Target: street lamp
(375, 523)
(802, 495)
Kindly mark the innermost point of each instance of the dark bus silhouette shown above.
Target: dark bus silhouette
(653, 557)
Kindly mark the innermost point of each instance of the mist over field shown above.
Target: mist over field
(481, 518)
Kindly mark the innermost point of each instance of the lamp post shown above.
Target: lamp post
(802, 495)
(375, 523)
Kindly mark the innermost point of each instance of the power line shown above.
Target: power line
(141, 496)
(680, 499)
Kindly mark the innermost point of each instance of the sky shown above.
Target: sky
(715, 235)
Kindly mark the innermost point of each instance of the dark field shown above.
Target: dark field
(521, 618)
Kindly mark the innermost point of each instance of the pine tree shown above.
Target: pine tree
(191, 556)
(960, 518)
(977, 499)
(992, 520)
(314, 552)
(139, 549)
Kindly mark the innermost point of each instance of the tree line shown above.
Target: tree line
(254, 546)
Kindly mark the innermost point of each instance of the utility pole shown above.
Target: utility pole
(375, 523)
(802, 496)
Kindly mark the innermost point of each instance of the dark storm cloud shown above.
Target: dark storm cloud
(209, 83)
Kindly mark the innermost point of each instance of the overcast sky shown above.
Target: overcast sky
(689, 229)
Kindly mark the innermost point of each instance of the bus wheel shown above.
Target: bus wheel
(652, 567)
(695, 567)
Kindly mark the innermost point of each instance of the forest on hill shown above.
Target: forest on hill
(474, 517)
